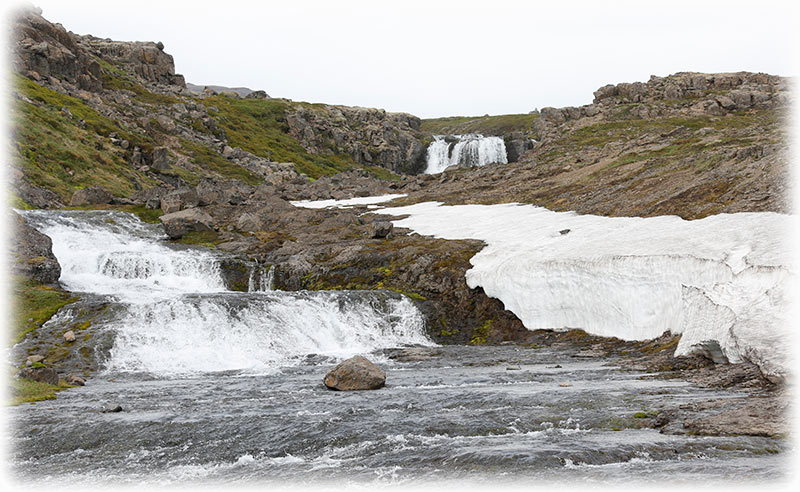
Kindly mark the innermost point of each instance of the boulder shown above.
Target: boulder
(381, 229)
(257, 95)
(356, 373)
(160, 159)
(179, 200)
(93, 195)
(177, 224)
(32, 254)
(39, 373)
(69, 336)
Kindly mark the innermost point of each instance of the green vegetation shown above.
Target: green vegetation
(213, 162)
(34, 305)
(200, 238)
(117, 79)
(64, 153)
(488, 125)
(259, 127)
(480, 334)
(25, 391)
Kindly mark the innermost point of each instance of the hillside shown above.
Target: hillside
(688, 144)
(106, 124)
(89, 111)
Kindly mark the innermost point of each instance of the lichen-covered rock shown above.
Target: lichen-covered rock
(356, 373)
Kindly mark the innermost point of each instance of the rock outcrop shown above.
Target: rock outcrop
(178, 224)
(356, 373)
(32, 254)
(370, 136)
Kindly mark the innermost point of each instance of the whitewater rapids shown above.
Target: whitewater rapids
(178, 318)
(723, 282)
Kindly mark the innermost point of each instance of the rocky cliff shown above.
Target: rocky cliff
(91, 111)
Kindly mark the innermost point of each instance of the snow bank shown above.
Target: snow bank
(723, 281)
(350, 202)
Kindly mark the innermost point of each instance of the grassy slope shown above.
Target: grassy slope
(487, 125)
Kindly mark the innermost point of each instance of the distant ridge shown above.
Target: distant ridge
(242, 91)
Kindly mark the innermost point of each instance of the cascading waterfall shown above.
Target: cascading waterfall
(178, 318)
(471, 150)
(262, 278)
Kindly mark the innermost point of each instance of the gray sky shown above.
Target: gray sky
(442, 58)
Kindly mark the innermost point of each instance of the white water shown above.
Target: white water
(178, 317)
(721, 280)
(469, 150)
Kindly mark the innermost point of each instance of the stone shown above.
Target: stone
(257, 95)
(179, 200)
(69, 336)
(177, 224)
(32, 254)
(33, 359)
(356, 373)
(39, 373)
(381, 229)
(75, 380)
(93, 195)
(111, 408)
(160, 159)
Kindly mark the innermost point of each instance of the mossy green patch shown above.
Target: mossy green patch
(26, 391)
(480, 334)
(259, 127)
(34, 304)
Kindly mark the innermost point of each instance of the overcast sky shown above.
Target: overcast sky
(441, 58)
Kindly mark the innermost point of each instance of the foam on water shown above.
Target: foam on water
(722, 281)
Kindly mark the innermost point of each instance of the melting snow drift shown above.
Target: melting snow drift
(723, 281)
(350, 202)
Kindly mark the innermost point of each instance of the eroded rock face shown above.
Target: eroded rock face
(32, 254)
(356, 373)
(370, 136)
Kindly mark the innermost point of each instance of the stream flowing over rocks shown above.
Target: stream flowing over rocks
(200, 385)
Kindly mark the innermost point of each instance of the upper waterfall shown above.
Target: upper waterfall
(469, 150)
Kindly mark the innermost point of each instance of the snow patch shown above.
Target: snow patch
(350, 202)
(721, 281)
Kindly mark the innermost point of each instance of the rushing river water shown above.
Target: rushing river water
(226, 388)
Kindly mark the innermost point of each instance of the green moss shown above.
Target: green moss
(34, 304)
(480, 334)
(200, 238)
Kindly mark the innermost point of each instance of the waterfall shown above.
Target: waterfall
(469, 150)
(262, 278)
(177, 317)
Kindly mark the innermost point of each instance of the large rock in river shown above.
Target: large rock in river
(356, 373)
